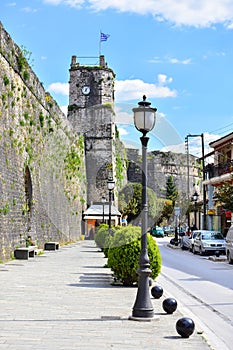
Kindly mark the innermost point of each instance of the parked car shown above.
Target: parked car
(209, 242)
(186, 242)
(157, 231)
(168, 230)
(229, 245)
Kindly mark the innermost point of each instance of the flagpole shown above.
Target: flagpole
(103, 37)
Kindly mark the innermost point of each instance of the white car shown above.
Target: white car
(229, 245)
(186, 242)
(209, 242)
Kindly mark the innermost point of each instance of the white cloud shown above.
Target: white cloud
(53, 2)
(127, 90)
(122, 131)
(178, 148)
(171, 60)
(163, 79)
(195, 144)
(200, 13)
(177, 61)
(71, 3)
(181, 12)
(28, 10)
(124, 114)
(64, 109)
(59, 88)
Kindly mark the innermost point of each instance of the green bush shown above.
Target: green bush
(124, 253)
(103, 239)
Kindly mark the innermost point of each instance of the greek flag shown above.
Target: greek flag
(104, 37)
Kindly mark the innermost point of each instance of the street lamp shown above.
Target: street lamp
(111, 185)
(195, 198)
(103, 201)
(144, 121)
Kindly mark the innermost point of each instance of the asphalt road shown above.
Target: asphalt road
(204, 288)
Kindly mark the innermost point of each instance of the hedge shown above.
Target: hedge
(124, 252)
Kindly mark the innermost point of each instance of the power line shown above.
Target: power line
(224, 127)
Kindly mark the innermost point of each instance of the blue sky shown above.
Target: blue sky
(178, 53)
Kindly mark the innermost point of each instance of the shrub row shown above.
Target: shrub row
(123, 250)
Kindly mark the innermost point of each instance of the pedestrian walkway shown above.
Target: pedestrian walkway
(64, 300)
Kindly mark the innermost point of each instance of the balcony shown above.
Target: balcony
(219, 169)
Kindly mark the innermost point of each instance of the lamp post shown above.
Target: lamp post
(103, 201)
(144, 121)
(111, 185)
(195, 198)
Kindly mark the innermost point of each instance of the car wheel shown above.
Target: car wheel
(193, 250)
(201, 251)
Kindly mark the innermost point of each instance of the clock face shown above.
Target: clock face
(86, 90)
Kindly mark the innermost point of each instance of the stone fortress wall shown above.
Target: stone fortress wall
(161, 165)
(42, 172)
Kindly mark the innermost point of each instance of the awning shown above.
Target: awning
(100, 211)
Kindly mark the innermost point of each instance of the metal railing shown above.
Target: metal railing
(219, 169)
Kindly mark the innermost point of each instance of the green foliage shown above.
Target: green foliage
(119, 169)
(130, 201)
(225, 195)
(166, 210)
(26, 75)
(21, 60)
(27, 55)
(41, 119)
(124, 253)
(73, 160)
(6, 80)
(74, 168)
(171, 190)
(5, 210)
(103, 239)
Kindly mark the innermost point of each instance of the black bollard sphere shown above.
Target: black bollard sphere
(170, 305)
(157, 292)
(185, 327)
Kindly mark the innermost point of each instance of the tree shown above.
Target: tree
(167, 204)
(225, 195)
(130, 201)
(171, 190)
(166, 211)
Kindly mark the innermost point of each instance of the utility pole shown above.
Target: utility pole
(203, 176)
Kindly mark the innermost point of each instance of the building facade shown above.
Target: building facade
(219, 171)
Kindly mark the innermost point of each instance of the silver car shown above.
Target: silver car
(186, 242)
(209, 242)
(229, 245)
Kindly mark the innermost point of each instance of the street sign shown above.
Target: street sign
(177, 211)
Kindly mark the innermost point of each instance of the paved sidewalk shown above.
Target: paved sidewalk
(64, 300)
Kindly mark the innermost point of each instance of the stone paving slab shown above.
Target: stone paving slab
(64, 300)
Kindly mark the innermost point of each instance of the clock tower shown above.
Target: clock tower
(91, 113)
